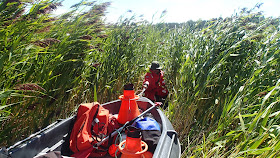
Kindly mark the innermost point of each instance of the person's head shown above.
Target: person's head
(155, 67)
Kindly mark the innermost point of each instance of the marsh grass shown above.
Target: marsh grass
(226, 86)
(222, 74)
(43, 64)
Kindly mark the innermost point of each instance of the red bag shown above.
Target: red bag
(89, 128)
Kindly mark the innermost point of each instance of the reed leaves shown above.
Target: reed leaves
(222, 74)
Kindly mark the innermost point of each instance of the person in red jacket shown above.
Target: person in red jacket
(154, 84)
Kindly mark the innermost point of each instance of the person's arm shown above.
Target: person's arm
(146, 82)
(161, 80)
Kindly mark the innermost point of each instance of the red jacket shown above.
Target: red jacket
(154, 81)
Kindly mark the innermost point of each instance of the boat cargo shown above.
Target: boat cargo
(51, 138)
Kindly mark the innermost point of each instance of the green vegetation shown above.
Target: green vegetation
(223, 74)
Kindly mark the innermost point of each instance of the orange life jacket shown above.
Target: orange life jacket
(89, 128)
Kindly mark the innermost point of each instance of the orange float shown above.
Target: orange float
(133, 147)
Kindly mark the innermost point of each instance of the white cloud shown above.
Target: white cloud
(195, 11)
(60, 10)
(183, 10)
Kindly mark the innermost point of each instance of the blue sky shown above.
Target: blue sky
(180, 10)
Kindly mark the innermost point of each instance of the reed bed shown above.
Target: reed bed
(222, 74)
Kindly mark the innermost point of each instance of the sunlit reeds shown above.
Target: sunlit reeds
(222, 74)
(42, 64)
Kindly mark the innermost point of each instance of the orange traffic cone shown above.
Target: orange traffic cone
(133, 146)
(129, 108)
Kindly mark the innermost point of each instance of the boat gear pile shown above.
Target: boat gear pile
(130, 127)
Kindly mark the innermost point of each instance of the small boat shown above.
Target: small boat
(51, 138)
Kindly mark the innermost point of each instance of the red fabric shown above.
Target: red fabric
(156, 85)
(89, 153)
(83, 154)
(81, 139)
(113, 124)
(103, 117)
